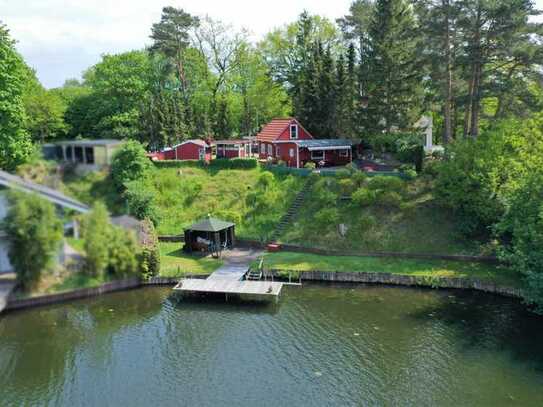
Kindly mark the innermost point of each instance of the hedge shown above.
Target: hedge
(219, 163)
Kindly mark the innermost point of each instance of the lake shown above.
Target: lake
(320, 346)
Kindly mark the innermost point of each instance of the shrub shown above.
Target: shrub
(35, 233)
(389, 199)
(150, 251)
(122, 253)
(359, 178)
(352, 168)
(96, 233)
(347, 186)
(129, 163)
(383, 183)
(310, 165)
(363, 197)
(140, 199)
(265, 180)
(218, 163)
(325, 217)
(343, 173)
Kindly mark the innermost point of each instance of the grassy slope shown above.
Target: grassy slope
(420, 225)
(175, 263)
(188, 194)
(424, 268)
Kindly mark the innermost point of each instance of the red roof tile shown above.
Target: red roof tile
(273, 129)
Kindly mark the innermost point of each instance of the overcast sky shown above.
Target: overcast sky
(61, 38)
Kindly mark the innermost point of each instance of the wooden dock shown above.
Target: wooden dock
(242, 288)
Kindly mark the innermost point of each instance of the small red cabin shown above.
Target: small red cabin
(287, 140)
(188, 150)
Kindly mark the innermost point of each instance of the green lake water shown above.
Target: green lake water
(320, 346)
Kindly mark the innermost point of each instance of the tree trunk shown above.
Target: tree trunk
(448, 82)
(476, 80)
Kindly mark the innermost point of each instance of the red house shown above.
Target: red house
(187, 150)
(287, 140)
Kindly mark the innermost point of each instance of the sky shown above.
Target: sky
(62, 38)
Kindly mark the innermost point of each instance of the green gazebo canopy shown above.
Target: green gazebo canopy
(210, 224)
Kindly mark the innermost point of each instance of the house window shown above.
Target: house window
(317, 155)
(344, 153)
(291, 152)
(277, 153)
(270, 150)
(263, 148)
(89, 155)
(293, 131)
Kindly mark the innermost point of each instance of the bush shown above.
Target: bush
(343, 173)
(130, 163)
(383, 183)
(359, 178)
(310, 165)
(389, 199)
(347, 186)
(140, 199)
(150, 251)
(122, 253)
(35, 234)
(218, 163)
(96, 233)
(364, 197)
(325, 217)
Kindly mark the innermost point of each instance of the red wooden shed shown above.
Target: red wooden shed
(287, 140)
(188, 150)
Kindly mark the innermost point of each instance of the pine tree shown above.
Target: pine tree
(391, 76)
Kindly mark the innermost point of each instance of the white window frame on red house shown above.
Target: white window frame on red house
(270, 150)
(321, 157)
(344, 153)
(295, 127)
(262, 148)
(291, 152)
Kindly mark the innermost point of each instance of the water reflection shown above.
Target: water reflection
(322, 345)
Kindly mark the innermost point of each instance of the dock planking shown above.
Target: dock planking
(232, 287)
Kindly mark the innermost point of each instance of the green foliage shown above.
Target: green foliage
(35, 234)
(364, 197)
(218, 164)
(130, 163)
(122, 253)
(15, 145)
(310, 165)
(140, 200)
(387, 184)
(109, 250)
(45, 110)
(150, 251)
(97, 235)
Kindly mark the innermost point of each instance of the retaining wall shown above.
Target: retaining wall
(403, 280)
(19, 303)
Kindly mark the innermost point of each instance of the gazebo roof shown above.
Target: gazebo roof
(210, 224)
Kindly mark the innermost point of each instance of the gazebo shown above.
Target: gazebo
(209, 234)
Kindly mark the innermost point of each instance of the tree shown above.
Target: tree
(391, 76)
(118, 84)
(171, 38)
(15, 144)
(45, 111)
(220, 45)
(35, 233)
(494, 33)
(130, 163)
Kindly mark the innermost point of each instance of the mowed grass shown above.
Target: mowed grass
(418, 225)
(175, 263)
(290, 261)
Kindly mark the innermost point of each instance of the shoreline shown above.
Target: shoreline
(385, 279)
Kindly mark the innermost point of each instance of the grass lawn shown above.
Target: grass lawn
(175, 263)
(424, 268)
(418, 225)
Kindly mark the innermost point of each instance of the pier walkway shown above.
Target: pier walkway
(229, 279)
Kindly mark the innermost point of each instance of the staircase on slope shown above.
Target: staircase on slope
(292, 211)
